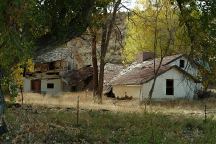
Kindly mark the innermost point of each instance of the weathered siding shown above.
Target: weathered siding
(130, 90)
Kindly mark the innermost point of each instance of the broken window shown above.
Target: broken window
(50, 85)
(169, 87)
(182, 64)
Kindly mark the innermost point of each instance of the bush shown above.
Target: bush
(201, 94)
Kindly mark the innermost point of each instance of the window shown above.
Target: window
(182, 64)
(169, 87)
(50, 85)
(51, 65)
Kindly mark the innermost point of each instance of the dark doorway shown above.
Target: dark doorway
(36, 85)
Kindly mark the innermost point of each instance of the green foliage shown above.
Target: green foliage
(29, 26)
(155, 27)
(16, 42)
(199, 18)
(62, 20)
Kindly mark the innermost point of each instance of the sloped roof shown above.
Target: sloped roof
(166, 60)
(54, 55)
(110, 71)
(139, 73)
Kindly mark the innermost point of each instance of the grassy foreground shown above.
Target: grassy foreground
(56, 125)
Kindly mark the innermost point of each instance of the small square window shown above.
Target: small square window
(50, 85)
(182, 64)
(169, 87)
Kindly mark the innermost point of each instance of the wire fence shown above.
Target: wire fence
(208, 112)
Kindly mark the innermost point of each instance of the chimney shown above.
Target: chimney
(144, 56)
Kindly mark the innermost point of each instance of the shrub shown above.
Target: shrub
(201, 94)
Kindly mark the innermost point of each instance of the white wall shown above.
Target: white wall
(27, 85)
(131, 90)
(183, 87)
(57, 86)
(191, 69)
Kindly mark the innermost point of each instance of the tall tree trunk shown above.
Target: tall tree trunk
(95, 65)
(3, 126)
(154, 80)
(163, 53)
(101, 81)
(106, 34)
(21, 91)
(155, 49)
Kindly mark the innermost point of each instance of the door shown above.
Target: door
(36, 86)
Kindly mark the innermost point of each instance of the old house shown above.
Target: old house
(51, 70)
(177, 78)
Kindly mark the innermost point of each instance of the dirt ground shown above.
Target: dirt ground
(190, 108)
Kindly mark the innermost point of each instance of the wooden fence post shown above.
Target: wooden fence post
(205, 112)
(78, 110)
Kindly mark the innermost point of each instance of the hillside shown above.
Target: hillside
(81, 46)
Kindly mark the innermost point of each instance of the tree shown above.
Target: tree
(199, 19)
(103, 27)
(155, 29)
(94, 29)
(28, 27)
(61, 20)
(162, 17)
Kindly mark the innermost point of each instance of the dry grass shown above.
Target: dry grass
(42, 125)
(166, 122)
(86, 102)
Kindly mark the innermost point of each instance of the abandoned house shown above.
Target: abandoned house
(176, 79)
(53, 69)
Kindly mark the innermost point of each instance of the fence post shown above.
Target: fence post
(205, 112)
(78, 110)
(21, 91)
